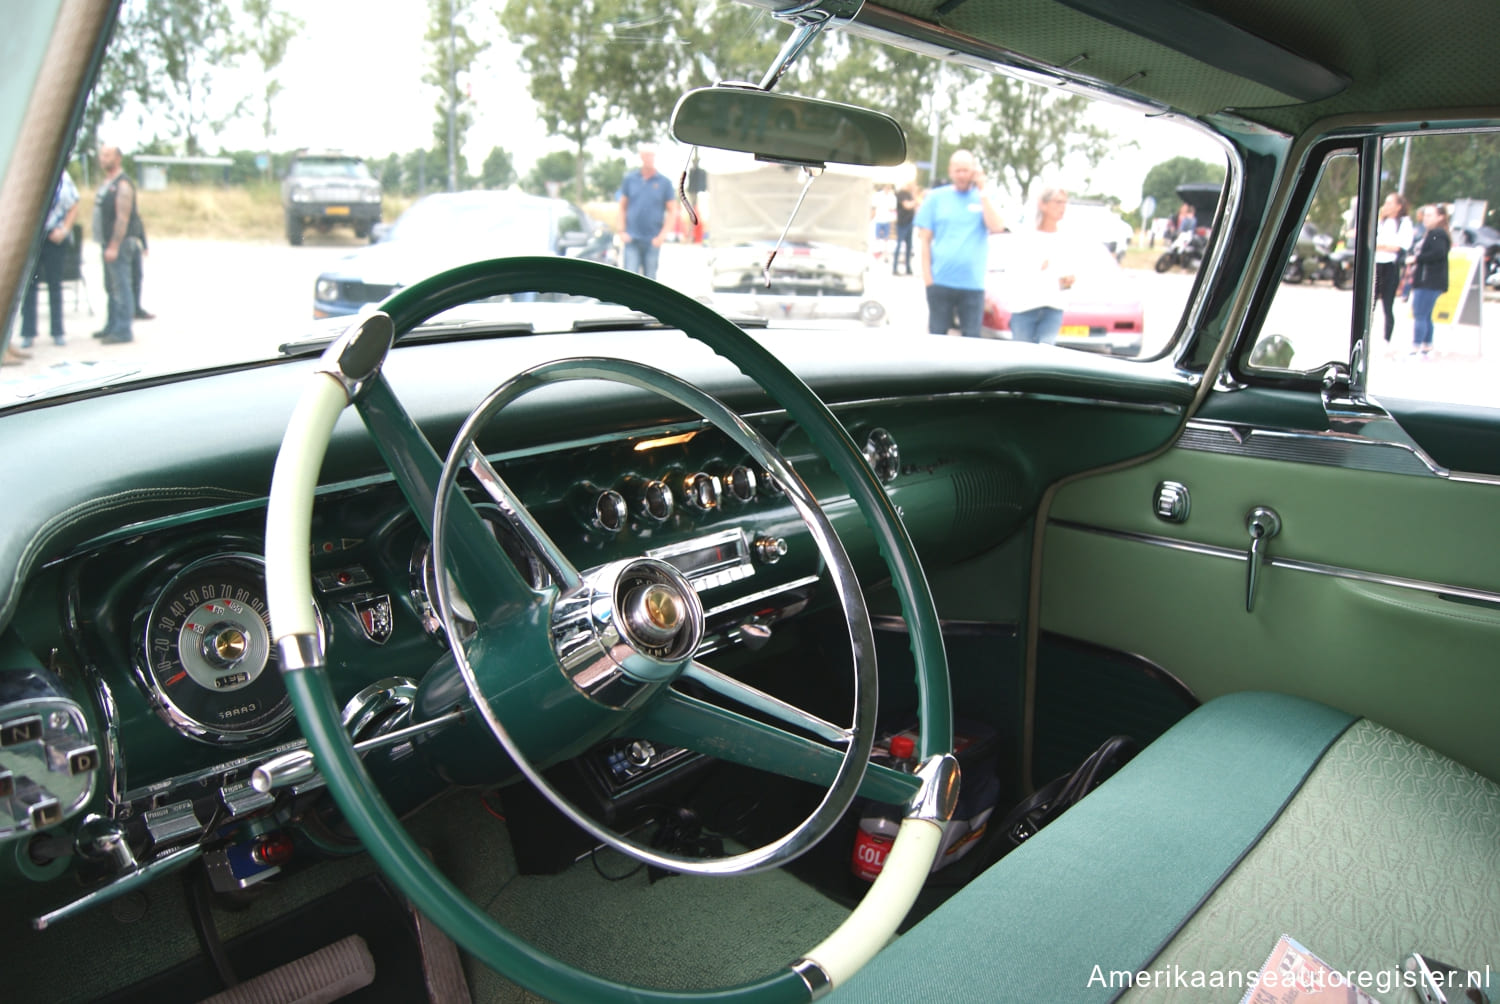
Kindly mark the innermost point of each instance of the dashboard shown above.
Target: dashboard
(188, 743)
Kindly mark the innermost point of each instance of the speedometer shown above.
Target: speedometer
(210, 665)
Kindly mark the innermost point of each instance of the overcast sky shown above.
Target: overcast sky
(352, 81)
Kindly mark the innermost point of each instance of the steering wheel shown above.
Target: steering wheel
(594, 654)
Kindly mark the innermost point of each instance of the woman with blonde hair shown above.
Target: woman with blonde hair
(1048, 273)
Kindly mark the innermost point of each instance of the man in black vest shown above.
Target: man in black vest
(117, 227)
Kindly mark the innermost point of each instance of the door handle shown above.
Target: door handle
(1262, 523)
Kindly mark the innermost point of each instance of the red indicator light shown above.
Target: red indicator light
(273, 850)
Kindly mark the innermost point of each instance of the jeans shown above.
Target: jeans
(642, 256)
(1422, 302)
(1039, 324)
(49, 270)
(118, 285)
(903, 244)
(944, 302)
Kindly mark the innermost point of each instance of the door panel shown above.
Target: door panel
(1381, 595)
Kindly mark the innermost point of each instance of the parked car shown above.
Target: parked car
(324, 189)
(447, 229)
(1103, 312)
(1098, 221)
(473, 649)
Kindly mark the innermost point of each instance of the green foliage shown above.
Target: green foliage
(185, 43)
(1030, 131)
(559, 167)
(597, 69)
(1337, 189)
(124, 75)
(1162, 180)
(605, 178)
(452, 46)
(266, 34)
(1446, 167)
(499, 169)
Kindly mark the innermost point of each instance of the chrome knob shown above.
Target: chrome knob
(101, 839)
(701, 491)
(769, 550)
(741, 483)
(610, 511)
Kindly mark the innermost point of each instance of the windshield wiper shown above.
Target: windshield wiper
(447, 331)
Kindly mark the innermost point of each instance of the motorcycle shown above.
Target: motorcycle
(1186, 250)
(1315, 258)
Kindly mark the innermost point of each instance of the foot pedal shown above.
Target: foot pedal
(326, 975)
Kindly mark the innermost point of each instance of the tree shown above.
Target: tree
(123, 76)
(560, 167)
(453, 47)
(266, 37)
(606, 177)
(598, 69)
(499, 169)
(1031, 131)
(1162, 181)
(187, 42)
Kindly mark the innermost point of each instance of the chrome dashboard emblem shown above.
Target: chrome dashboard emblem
(376, 617)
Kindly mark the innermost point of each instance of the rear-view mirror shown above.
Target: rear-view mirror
(787, 128)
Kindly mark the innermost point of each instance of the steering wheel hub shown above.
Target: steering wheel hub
(630, 626)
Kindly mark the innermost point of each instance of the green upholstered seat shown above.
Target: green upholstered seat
(1256, 816)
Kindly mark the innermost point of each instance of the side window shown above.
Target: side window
(1430, 322)
(1308, 323)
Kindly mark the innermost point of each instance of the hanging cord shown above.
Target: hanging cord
(682, 192)
(811, 174)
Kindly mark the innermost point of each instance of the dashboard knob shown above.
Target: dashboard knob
(701, 491)
(883, 455)
(656, 500)
(610, 511)
(640, 753)
(741, 483)
(769, 550)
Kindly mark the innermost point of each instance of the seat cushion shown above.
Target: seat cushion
(1234, 828)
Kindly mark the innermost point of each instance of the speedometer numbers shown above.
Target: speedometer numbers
(209, 660)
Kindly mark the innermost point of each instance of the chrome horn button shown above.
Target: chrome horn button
(631, 625)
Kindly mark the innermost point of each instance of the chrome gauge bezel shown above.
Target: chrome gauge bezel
(424, 573)
(171, 711)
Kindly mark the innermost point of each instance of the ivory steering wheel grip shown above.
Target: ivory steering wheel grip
(640, 697)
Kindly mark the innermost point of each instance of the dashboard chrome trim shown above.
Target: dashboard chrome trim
(1290, 564)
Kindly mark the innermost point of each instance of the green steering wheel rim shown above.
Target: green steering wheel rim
(359, 799)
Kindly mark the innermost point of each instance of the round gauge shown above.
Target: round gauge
(424, 573)
(209, 660)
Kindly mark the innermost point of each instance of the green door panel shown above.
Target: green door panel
(1420, 664)
(1426, 528)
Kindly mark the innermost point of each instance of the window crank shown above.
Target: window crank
(1263, 524)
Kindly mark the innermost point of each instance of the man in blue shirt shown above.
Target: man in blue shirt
(648, 211)
(953, 228)
(57, 234)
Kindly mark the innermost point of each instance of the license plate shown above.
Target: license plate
(337, 211)
(1075, 329)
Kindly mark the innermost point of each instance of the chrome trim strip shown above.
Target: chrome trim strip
(1291, 564)
(806, 580)
(1328, 449)
(299, 652)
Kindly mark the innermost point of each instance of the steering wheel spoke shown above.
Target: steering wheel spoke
(679, 719)
(752, 697)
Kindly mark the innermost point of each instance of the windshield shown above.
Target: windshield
(463, 112)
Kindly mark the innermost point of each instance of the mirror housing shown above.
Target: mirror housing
(786, 128)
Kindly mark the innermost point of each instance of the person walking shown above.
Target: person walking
(117, 228)
(1393, 236)
(953, 228)
(1430, 278)
(57, 236)
(906, 212)
(648, 212)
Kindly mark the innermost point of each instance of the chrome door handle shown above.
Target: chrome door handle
(1262, 524)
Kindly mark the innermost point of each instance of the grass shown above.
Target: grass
(248, 214)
